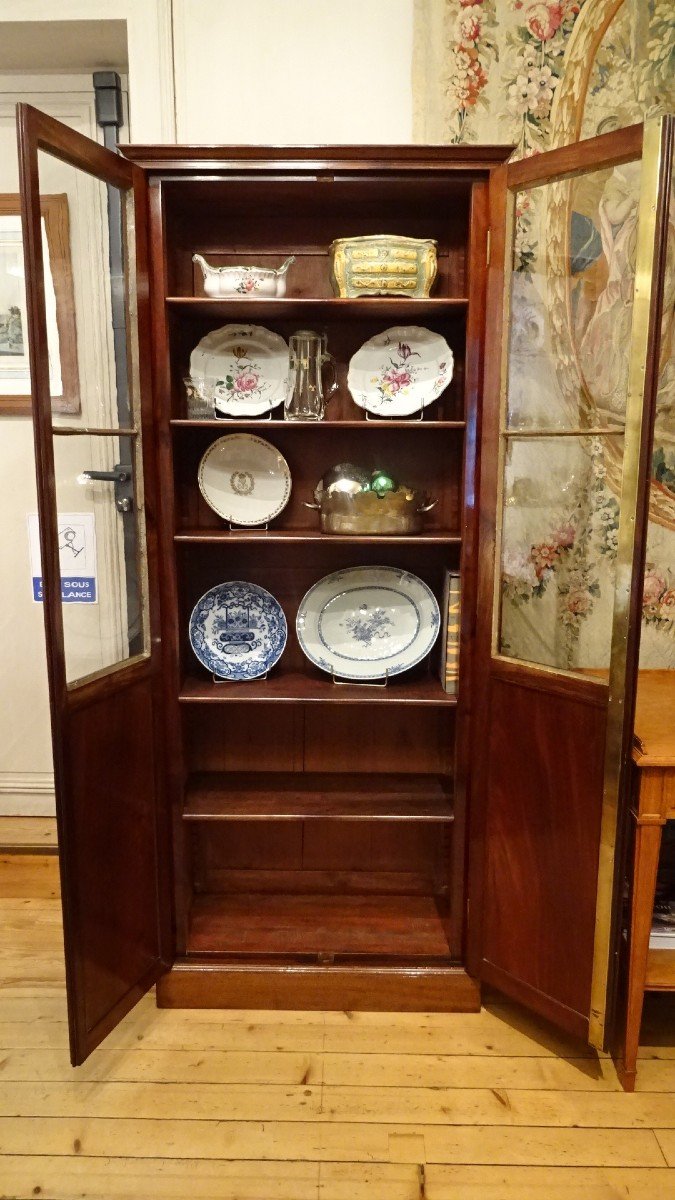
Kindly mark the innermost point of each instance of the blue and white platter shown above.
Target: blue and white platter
(368, 622)
(238, 631)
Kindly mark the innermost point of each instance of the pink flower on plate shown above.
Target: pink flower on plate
(469, 3)
(246, 382)
(543, 557)
(249, 283)
(396, 378)
(654, 586)
(543, 20)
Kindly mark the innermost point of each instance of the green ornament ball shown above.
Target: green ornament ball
(381, 483)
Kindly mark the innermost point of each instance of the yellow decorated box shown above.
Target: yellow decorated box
(383, 265)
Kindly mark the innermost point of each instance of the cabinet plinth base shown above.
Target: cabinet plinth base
(194, 983)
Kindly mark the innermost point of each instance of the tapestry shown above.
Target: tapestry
(538, 74)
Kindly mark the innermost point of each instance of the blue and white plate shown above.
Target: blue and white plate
(238, 630)
(368, 622)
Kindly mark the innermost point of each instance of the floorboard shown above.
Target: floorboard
(310, 1106)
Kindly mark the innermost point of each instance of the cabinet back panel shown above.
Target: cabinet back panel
(308, 738)
(250, 217)
(320, 856)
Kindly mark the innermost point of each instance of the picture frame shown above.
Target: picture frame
(15, 390)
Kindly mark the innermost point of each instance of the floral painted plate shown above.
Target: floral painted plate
(244, 367)
(368, 622)
(244, 479)
(238, 631)
(400, 371)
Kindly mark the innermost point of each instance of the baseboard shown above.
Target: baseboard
(203, 983)
(27, 794)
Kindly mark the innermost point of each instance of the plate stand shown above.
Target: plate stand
(222, 679)
(237, 420)
(247, 528)
(411, 418)
(380, 682)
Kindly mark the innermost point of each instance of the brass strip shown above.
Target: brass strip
(510, 224)
(597, 431)
(625, 566)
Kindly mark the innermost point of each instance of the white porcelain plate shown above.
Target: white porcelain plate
(368, 622)
(400, 371)
(244, 479)
(238, 630)
(245, 366)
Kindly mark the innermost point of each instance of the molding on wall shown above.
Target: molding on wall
(27, 793)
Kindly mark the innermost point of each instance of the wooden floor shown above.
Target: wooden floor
(309, 1106)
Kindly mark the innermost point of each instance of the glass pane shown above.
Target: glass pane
(93, 350)
(560, 520)
(89, 296)
(657, 644)
(101, 553)
(571, 301)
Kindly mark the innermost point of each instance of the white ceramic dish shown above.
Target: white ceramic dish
(400, 371)
(244, 367)
(368, 622)
(244, 282)
(238, 630)
(244, 479)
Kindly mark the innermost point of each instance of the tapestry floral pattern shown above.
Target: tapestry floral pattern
(510, 68)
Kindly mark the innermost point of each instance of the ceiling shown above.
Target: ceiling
(63, 46)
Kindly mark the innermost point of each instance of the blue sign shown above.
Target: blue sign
(73, 591)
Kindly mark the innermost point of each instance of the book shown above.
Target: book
(450, 637)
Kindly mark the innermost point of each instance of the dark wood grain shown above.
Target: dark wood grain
(267, 924)
(465, 159)
(542, 840)
(255, 796)
(395, 309)
(289, 687)
(418, 987)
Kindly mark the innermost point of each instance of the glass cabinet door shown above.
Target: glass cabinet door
(89, 353)
(566, 415)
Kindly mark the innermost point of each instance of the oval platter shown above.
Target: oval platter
(400, 371)
(368, 622)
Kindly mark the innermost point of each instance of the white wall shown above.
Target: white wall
(257, 71)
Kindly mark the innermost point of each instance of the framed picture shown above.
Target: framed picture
(60, 304)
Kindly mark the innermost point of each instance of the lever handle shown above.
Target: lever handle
(119, 475)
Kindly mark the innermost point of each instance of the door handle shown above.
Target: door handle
(122, 478)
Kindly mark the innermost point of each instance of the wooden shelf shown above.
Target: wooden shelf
(276, 923)
(296, 687)
(262, 425)
(331, 308)
(660, 971)
(432, 537)
(281, 796)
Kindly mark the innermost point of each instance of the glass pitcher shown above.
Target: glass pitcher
(305, 398)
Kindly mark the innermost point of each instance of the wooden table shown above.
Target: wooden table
(653, 805)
